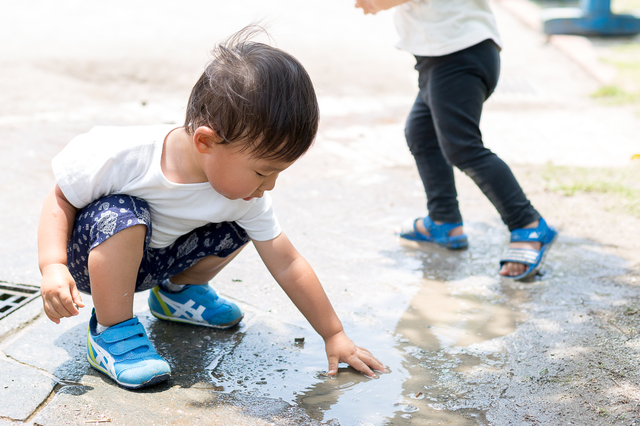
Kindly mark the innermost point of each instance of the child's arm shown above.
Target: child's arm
(301, 284)
(59, 292)
(375, 6)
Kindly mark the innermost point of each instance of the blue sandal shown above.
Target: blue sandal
(543, 234)
(439, 234)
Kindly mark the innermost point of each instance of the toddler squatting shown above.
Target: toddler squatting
(164, 208)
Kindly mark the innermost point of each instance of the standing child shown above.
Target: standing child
(164, 208)
(457, 49)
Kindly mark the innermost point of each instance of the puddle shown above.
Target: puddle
(446, 341)
(458, 313)
(448, 335)
(446, 344)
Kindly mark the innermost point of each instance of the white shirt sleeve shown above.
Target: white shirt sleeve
(90, 167)
(260, 222)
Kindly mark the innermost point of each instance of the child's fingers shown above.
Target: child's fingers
(365, 362)
(357, 363)
(66, 306)
(63, 307)
(54, 319)
(333, 366)
(50, 312)
(75, 295)
(371, 360)
(354, 361)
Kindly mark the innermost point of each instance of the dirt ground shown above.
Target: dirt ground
(592, 373)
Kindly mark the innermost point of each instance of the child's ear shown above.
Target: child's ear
(205, 138)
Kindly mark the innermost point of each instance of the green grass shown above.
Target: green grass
(625, 58)
(625, 6)
(622, 183)
(615, 95)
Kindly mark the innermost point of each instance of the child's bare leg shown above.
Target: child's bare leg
(204, 271)
(113, 269)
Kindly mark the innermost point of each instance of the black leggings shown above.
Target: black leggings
(443, 131)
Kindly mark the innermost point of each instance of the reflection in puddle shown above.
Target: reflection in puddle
(446, 345)
(448, 341)
(350, 397)
(458, 313)
(450, 337)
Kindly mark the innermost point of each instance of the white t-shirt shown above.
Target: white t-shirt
(441, 27)
(126, 160)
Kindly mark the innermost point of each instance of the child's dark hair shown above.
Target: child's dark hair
(257, 93)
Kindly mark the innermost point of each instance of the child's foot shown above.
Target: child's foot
(194, 304)
(449, 235)
(124, 353)
(511, 269)
(527, 250)
(419, 224)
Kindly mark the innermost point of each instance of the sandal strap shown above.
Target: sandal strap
(540, 234)
(439, 231)
(520, 255)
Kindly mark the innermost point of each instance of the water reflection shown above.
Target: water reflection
(450, 333)
(447, 338)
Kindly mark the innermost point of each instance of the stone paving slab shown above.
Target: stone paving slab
(22, 389)
(20, 318)
(57, 349)
(203, 360)
(95, 403)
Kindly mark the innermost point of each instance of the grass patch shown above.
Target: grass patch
(615, 95)
(625, 58)
(625, 6)
(622, 183)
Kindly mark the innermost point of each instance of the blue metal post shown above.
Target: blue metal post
(594, 18)
(596, 7)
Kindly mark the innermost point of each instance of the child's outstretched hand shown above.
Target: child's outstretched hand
(367, 6)
(60, 295)
(341, 349)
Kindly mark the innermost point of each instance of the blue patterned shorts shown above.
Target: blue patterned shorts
(109, 215)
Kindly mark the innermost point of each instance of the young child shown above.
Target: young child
(456, 45)
(164, 208)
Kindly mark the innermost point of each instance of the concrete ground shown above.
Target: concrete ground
(463, 346)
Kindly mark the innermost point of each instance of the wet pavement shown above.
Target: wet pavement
(462, 345)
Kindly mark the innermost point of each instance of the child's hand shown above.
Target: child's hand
(60, 295)
(341, 349)
(367, 6)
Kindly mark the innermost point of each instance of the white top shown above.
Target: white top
(441, 27)
(126, 160)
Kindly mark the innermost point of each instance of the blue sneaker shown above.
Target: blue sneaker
(194, 304)
(124, 353)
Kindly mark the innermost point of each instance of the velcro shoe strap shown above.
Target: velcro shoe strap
(128, 345)
(117, 334)
(516, 255)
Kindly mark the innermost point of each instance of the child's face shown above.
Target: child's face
(238, 175)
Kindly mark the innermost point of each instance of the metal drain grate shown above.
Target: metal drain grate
(13, 296)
